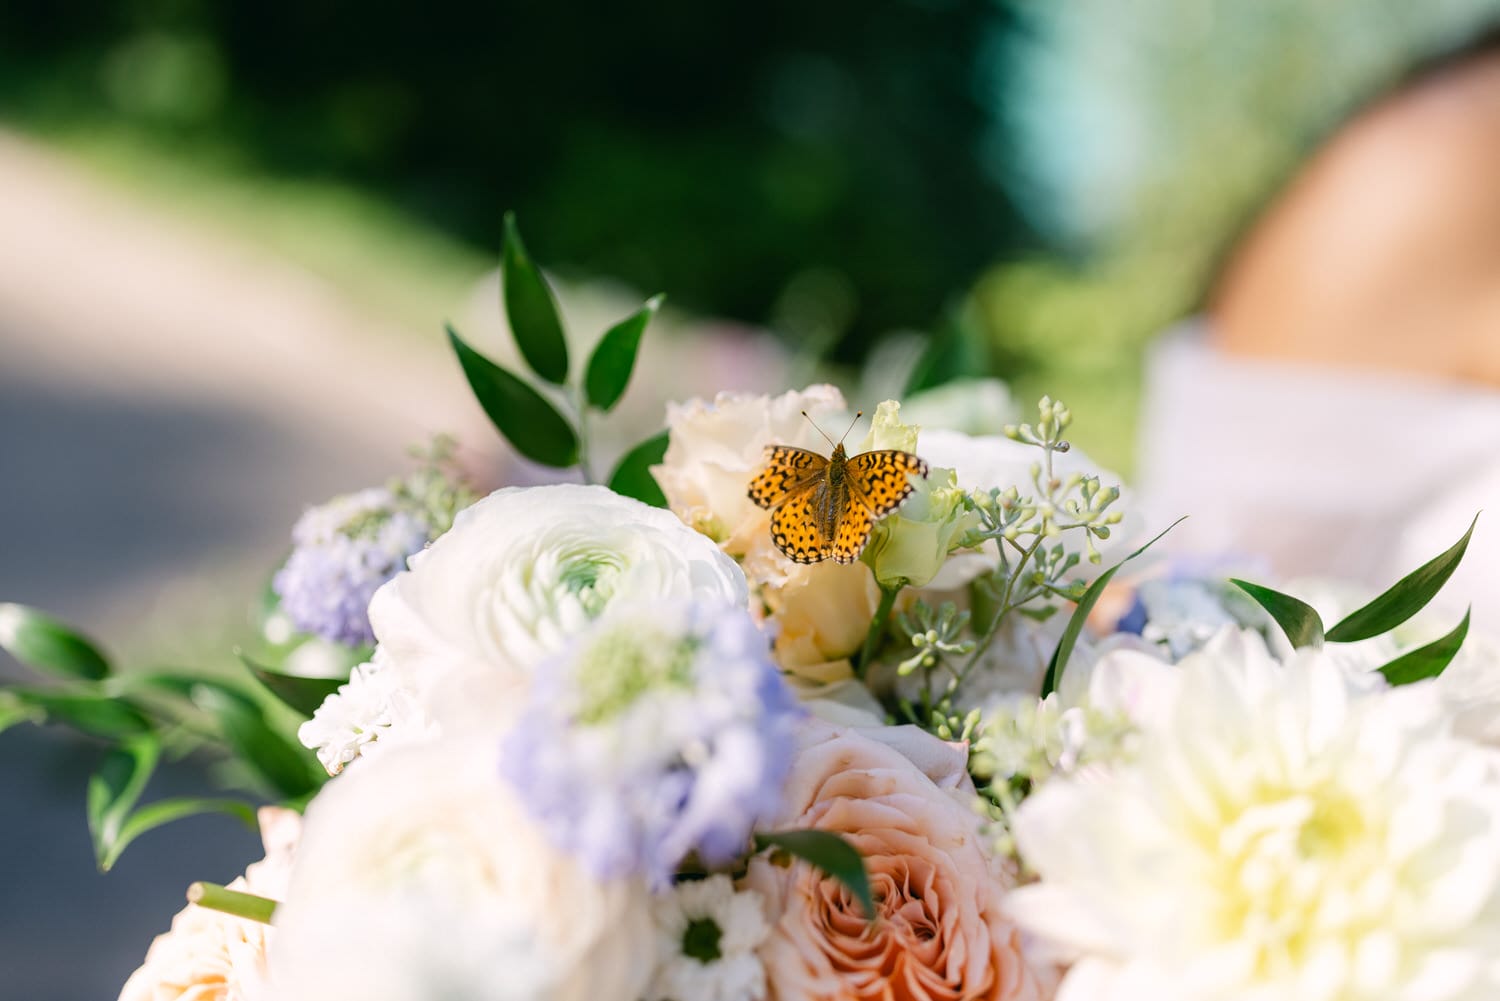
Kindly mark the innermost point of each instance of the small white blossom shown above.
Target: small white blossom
(709, 918)
(362, 711)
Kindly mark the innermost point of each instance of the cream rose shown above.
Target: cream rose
(820, 612)
(902, 798)
(209, 955)
(716, 447)
(419, 875)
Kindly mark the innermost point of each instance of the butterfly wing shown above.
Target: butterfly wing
(853, 531)
(795, 526)
(882, 479)
(787, 469)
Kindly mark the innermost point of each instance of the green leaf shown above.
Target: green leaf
(98, 715)
(532, 310)
(42, 642)
(1427, 661)
(1406, 597)
(113, 791)
(828, 852)
(164, 811)
(276, 761)
(303, 694)
(14, 710)
(1076, 621)
(531, 424)
(1299, 620)
(632, 476)
(614, 357)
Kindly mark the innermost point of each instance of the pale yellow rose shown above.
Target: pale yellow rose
(902, 798)
(211, 956)
(821, 612)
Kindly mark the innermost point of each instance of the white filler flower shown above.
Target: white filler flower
(419, 877)
(707, 934)
(519, 574)
(1283, 832)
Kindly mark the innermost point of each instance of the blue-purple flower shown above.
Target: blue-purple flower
(664, 733)
(343, 551)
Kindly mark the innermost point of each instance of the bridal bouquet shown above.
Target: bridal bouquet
(763, 718)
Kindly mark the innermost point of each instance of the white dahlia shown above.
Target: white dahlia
(1281, 831)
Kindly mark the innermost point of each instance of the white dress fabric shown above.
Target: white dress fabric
(1323, 471)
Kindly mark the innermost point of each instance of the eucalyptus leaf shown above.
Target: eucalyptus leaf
(532, 310)
(303, 694)
(828, 852)
(164, 811)
(613, 359)
(1297, 619)
(113, 791)
(1076, 621)
(632, 476)
(1405, 598)
(531, 424)
(42, 642)
(283, 767)
(1427, 661)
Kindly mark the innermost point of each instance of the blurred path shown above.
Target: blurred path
(169, 401)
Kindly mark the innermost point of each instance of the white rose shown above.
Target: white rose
(521, 572)
(716, 447)
(419, 876)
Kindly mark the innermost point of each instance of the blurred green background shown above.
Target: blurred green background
(1041, 185)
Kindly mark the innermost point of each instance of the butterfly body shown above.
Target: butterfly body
(826, 507)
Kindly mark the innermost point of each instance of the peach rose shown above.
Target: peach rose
(211, 956)
(903, 799)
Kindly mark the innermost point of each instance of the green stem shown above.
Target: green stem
(582, 409)
(878, 627)
(1004, 608)
(241, 905)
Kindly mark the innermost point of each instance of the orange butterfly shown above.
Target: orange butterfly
(822, 507)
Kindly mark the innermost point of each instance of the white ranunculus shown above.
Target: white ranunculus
(519, 574)
(1280, 831)
(420, 877)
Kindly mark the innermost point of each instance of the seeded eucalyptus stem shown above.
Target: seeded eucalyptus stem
(878, 626)
(241, 905)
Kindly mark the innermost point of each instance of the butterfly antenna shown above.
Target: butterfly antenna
(851, 426)
(820, 430)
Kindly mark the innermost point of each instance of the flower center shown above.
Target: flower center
(622, 665)
(590, 578)
(1297, 856)
(700, 940)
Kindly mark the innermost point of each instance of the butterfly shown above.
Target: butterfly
(824, 507)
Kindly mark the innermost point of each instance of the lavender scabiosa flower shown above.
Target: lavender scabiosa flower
(665, 732)
(345, 549)
(342, 552)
